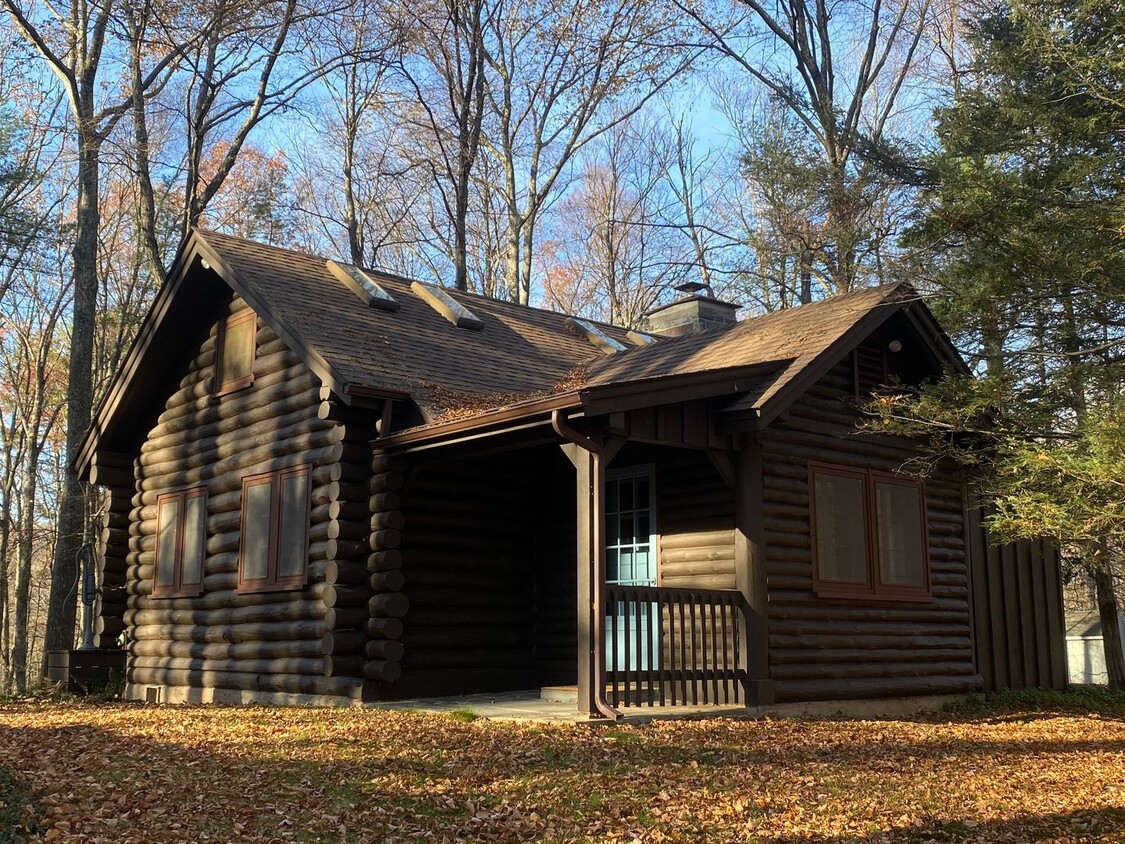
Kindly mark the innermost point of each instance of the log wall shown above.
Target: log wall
(112, 551)
(468, 575)
(824, 649)
(274, 642)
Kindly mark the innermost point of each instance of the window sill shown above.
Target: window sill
(232, 387)
(857, 596)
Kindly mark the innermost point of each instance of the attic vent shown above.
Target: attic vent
(595, 335)
(363, 286)
(639, 338)
(447, 306)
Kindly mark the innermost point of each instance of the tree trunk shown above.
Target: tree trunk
(1111, 626)
(62, 607)
(26, 548)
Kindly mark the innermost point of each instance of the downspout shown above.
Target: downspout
(596, 574)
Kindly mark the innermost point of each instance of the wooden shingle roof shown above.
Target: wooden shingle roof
(511, 355)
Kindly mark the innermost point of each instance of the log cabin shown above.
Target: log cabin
(325, 484)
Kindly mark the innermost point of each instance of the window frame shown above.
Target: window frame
(221, 388)
(872, 588)
(273, 582)
(642, 470)
(178, 589)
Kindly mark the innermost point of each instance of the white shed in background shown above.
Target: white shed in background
(1085, 653)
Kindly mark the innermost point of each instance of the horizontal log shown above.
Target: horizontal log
(881, 687)
(384, 671)
(386, 482)
(454, 637)
(779, 641)
(468, 658)
(270, 650)
(383, 649)
(697, 540)
(384, 628)
(387, 581)
(293, 665)
(344, 596)
(381, 463)
(388, 605)
(384, 561)
(342, 549)
(265, 631)
(342, 666)
(345, 618)
(112, 476)
(243, 681)
(228, 617)
(385, 540)
(723, 553)
(343, 642)
(860, 655)
(387, 520)
(345, 572)
(384, 501)
(483, 616)
(227, 598)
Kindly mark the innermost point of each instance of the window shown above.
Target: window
(181, 525)
(235, 345)
(275, 529)
(868, 534)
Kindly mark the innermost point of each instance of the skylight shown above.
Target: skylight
(639, 338)
(363, 286)
(447, 306)
(596, 336)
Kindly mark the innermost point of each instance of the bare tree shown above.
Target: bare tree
(839, 71)
(563, 74)
(71, 39)
(446, 76)
(613, 251)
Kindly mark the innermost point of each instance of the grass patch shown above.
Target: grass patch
(17, 809)
(464, 714)
(1079, 700)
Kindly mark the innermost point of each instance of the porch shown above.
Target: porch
(613, 566)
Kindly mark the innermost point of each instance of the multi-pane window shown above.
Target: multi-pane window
(868, 534)
(181, 532)
(275, 528)
(236, 344)
(630, 549)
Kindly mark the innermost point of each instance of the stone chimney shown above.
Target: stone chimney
(695, 311)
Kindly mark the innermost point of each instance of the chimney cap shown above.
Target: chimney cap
(693, 287)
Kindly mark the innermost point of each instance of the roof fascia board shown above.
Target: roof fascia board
(819, 366)
(490, 423)
(936, 338)
(150, 327)
(312, 358)
(666, 389)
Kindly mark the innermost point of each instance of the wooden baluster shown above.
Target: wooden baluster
(683, 648)
(726, 656)
(615, 663)
(714, 656)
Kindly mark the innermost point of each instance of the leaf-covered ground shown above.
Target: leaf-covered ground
(124, 773)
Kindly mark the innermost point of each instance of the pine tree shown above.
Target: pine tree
(1025, 230)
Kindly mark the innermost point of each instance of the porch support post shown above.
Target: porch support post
(750, 570)
(590, 488)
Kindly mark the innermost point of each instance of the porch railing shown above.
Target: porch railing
(670, 646)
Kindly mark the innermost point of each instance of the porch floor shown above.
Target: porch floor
(530, 706)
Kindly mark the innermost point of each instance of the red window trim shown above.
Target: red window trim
(272, 582)
(178, 589)
(224, 387)
(873, 589)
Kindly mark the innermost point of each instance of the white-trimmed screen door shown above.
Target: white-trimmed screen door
(630, 560)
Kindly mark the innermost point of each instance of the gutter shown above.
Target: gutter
(596, 574)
